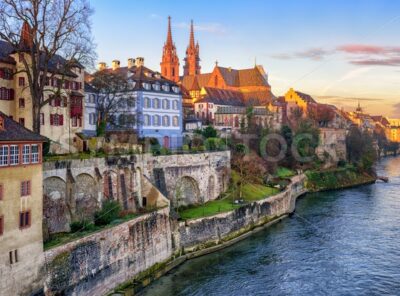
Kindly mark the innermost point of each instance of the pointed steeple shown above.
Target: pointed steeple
(26, 37)
(169, 34)
(191, 41)
(170, 61)
(192, 59)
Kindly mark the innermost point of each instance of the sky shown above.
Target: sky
(340, 52)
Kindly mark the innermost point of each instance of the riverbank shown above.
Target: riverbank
(207, 235)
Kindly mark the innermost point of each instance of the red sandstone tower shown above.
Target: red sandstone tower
(170, 61)
(192, 60)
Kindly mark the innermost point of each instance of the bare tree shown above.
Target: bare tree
(51, 29)
(115, 99)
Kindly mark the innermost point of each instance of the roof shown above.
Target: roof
(7, 49)
(258, 97)
(90, 88)
(231, 110)
(142, 74)
(14, 132)
(307, 98)
(220, 96)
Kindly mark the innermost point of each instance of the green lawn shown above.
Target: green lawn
(283, 172)
(251, 192)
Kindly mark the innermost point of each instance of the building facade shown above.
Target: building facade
(152, 107)
(21, 208)
(90, 122)
(63, 116)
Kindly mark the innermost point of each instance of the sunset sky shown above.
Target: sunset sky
(338, 52)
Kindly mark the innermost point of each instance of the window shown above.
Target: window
(165, 120)
(35, 153)
(165, 104)
(92, 118)
(146, 120)
(56, 119)
(156, 120)
(22, 103)
(175, 105)
(26, 149)
(3, 155)
(156, 103)
(25, 188)
(24, 220)
(41, 118)
(74, 121)
(14, 155)
(1, 191)
(175, 121)
(21, 81)
(165, 87)
(147, 103)
(22, 121)
(1, 225)
(6, 94)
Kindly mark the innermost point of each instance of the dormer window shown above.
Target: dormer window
(165, 87)
(157, 75)
(146, 85)
(175, 89)
(156, 86)
(148, 74)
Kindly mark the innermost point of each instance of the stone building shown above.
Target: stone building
(62, 117)
(21, 241)
(152, 106)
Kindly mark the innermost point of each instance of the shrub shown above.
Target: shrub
(209, 132)
(108, 213)
(83, 225)
(202, 148)
(165, 151)
(185, 147)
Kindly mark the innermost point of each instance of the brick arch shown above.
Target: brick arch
(186, 192)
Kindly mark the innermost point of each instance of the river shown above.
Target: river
(337, 243)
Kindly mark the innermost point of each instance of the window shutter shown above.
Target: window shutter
(28, 187)
(1, 191)
(61, 119)
(65, 102)
(51, 119)
(2, 73)
(11, 94)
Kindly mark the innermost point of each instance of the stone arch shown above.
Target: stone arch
(86, 196)
(211, 188)
(186, 192)
(110, 185)
(56, 208)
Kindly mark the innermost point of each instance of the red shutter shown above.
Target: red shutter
(11, 94)
(51, 119)
(61, 119)
(1, 191)
(28, 187)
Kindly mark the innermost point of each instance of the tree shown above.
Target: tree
(360, 148)
(249, 167)
(209, 132)
(50, 29)
(306, 138)
(321, 114)
(114, 97)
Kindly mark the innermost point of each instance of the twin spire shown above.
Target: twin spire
(170, 61)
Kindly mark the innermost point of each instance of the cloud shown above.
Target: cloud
(155, 16)
(315, 54)
(347, 99)
(355, 54)
(215, 28)
(396, 110)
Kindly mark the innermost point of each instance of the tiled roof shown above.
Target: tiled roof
(258, 97)
(143, 74)
(14, 132)
(307, 98)
(53, 67)
(222, 97)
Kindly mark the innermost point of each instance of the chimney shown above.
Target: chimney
(101, 66)
(139, 62)
(115, 64)
(131, 62)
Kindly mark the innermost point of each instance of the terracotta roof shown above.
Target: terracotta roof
(381, 119)
(14, 132)
(193, 82)
(258, 97)
(307, 98)
(222, 97)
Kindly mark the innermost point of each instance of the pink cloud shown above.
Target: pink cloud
(368, 49)
(377, 62)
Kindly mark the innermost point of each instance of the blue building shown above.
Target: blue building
(152, 106)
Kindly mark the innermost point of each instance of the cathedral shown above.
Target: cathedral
(250, 86)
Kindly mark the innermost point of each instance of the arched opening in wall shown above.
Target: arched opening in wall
(138, 188)
(186, 192)
(56, 206)
(144, 201)
(211, 188)
(86, 197)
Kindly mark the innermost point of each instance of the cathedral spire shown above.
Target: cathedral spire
(192, 59)
(170, 61)
(26, 38)
(169, 35)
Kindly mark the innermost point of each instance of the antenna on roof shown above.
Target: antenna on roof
(255, 61)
